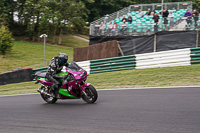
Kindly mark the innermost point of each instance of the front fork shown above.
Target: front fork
(82, 88)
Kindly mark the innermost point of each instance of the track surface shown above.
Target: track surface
(162, 110)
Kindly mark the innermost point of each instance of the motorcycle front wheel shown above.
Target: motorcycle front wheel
(91, 93)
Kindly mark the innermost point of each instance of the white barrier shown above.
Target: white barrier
(164, 65)
(162, 54)
(170, 58)
(180, 57)
(85, 65)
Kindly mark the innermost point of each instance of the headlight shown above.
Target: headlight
(82, 74)
(71, 78)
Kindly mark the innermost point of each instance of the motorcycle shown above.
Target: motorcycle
(73, 87)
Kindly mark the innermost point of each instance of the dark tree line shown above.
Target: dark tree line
(58, 17)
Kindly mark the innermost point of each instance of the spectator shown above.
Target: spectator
(140, 14)
(97, 25)
(171, 18)
(156, 21)
(124, 18)
(149, 12)
(195, 14)
(123, 27)
(129, 19)
(189, 18)
(154, 11)
(165, 14)
(110, 25)
(102, 28)
(114, 28)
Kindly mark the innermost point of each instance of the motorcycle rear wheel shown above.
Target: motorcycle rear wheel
(49, 99)
(92, 94)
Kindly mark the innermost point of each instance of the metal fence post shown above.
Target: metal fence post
(178, 6)
(129, 9)
(154, 49)
(41, 36)
(197, 38)
(118, 14)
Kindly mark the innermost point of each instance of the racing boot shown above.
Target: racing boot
(53, 89)
(58, 95)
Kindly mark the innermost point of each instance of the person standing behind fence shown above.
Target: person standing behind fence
(123, 27)
(154, 11)
(171, 18)
(189, 18)
(124, 18)
(165, 15)
(114, 28)
(129, 19)
(156, 21)
(97, 25)
(102, 28)
(140, 14)
(149, 12)
(110, 25)
(195, 14)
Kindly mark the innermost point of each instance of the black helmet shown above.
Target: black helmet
(63, 58)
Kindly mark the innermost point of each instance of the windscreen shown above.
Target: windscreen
(74, 67)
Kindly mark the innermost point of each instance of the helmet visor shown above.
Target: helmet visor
(63, 60)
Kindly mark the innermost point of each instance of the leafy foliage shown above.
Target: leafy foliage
(6, 40)
(57, 17)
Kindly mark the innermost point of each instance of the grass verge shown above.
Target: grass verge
(156, 77)
(29, 54)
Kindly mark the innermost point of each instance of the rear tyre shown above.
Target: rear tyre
(48, 99)
(91, 93)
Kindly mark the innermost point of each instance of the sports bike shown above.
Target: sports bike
(73, 87)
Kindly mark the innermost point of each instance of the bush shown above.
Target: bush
(6, 40)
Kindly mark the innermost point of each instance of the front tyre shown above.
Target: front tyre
(91, 93)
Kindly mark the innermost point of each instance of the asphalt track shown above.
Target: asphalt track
(158, 110)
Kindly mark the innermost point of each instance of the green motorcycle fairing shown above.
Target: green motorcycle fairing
(62, 73)
(66, 93)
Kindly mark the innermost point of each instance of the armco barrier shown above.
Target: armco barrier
(84, 64)
(195, 55)
(43, 69)
(16, 77)
(112, 64)
(170, 58)
(180, 57)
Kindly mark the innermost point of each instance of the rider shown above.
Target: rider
(55, 67)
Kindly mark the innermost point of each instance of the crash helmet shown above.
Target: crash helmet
(63, 58)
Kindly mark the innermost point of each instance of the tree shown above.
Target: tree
(30, 14)
(71, 15)
(99, 8)
(6, 40)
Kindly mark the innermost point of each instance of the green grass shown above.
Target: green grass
(70, 41)
(156, 77)
(29, 54)
(84, 36)
(67, 40)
